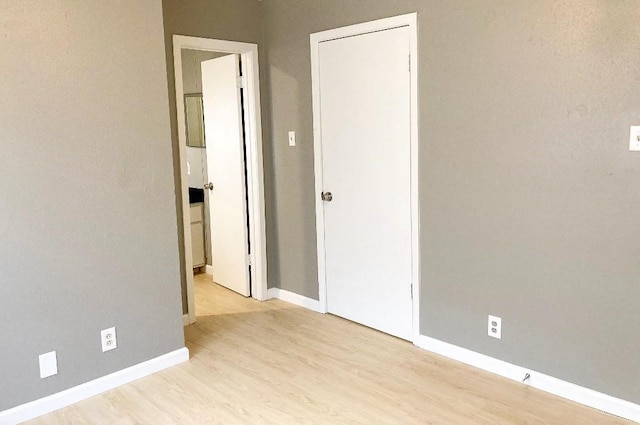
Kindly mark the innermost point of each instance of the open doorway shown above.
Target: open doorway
(230, 71)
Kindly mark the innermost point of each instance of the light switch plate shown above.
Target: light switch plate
(292, 138)
(634, 138)
(48, 364)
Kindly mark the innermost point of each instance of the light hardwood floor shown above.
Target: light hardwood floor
(273, 363)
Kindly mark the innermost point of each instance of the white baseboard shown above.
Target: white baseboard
(185, 320)
(573, 392)
(294, 298)
(209, 270)
(81, 392)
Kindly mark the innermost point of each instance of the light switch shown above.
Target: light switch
(634, 138)
(48, 365)
(292, 138)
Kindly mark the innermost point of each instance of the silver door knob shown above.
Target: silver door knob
(327, 196)
(209, 186)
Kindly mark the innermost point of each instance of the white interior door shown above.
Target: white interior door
(225, 165)
(365, 99)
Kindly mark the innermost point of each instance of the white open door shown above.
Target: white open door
(365, 124)
(225, 165)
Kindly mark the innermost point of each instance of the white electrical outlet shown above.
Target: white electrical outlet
(634, 138)
(495, 327)
(48, 364)
(109, 341)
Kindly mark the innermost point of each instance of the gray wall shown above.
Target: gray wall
(529, 196)
(236, 20)
(87, 210)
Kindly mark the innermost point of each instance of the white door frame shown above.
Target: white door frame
(411, 21)
(255, 173)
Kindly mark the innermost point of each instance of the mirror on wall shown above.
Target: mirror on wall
(195, 120)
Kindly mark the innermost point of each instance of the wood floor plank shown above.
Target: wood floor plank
(275, 363)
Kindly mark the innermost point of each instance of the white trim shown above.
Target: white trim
(411, 21)
(255, 173)
(89, 389)
(294, 298)
(573, 392)
(408, 19)
(317, 166)
(185, 320)
(415, 176)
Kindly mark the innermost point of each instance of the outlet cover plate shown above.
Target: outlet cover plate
(494, 327)
(109, 340)
(48, 364)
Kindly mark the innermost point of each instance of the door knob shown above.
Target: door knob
(209, 186)
(327, 196)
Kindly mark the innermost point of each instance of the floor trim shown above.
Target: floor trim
(89, 389)
(294, 298)
(185, 320)
(209, 269)
(573, 392)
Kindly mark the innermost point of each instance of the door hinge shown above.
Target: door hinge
(411, 290)
(409, 63)
(240, 82)
(249, 260)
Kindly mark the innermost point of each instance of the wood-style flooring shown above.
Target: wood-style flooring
(274, 363)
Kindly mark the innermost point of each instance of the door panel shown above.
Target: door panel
(365, 129)
(225, 166)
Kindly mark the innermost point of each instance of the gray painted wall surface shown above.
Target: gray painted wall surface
(236, 20)
(529, 196)
(87, 210)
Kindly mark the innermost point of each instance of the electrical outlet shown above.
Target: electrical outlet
(495, 327)
(109, 341)
(48, 364)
